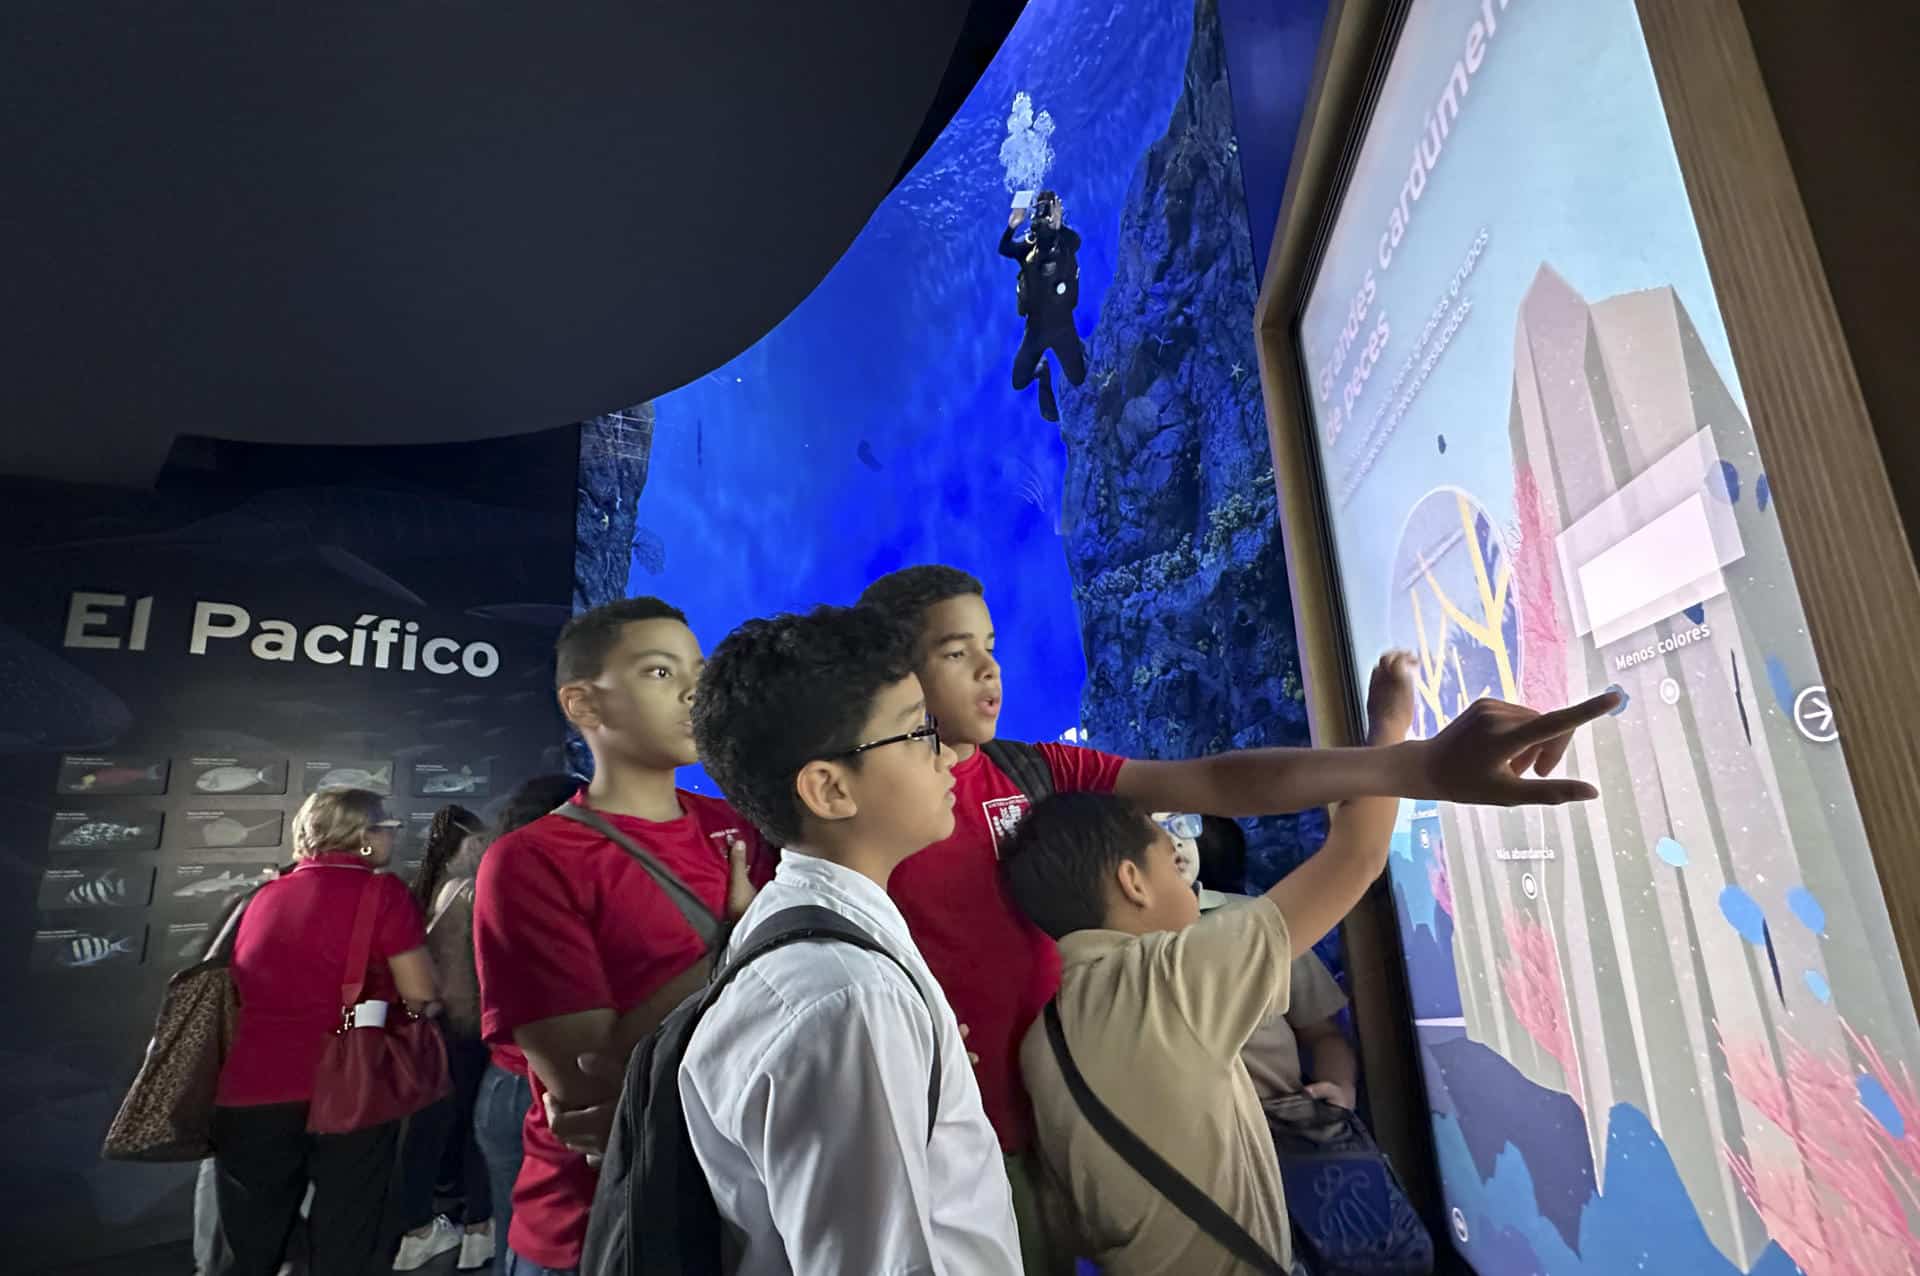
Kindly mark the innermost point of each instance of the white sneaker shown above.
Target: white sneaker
(417, 1251)
(476, 1249)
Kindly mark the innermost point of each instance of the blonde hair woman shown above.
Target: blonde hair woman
(287, 960)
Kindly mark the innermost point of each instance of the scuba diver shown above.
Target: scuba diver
(1049, 287)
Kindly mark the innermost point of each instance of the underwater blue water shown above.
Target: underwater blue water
(877, 426)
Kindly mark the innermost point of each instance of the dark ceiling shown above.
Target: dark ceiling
(420, 222)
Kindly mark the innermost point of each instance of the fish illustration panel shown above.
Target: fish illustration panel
(209, 888)
(236, 775)
(184, 942)
(328, 773)
(90, 831)
(217, 829)
(117, 776)
(96, 886)
(89, 947)
(452, 782)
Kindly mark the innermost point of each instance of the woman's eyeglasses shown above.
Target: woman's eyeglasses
(928, 732)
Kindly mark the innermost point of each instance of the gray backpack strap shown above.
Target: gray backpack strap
(1024, 764)
(705, 922)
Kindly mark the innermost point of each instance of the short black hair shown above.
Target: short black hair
(533, 799)
(1222, 845)
(1064, 853)
(908, 593)
(783, 692)
(580, 653)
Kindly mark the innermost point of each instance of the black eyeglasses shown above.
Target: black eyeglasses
(929, 732)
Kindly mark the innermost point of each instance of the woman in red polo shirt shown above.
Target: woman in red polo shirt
(287, 962)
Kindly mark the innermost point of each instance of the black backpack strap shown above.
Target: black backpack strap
(811, 923)
(707, 925)
(1024, 764)
(1166, 1180)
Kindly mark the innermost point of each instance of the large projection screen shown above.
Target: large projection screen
(1668, 1031)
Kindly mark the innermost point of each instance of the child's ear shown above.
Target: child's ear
(576, 704)
(1131, 878)
(822, 790)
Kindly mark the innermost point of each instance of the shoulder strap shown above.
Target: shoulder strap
(228, 932)
(450, 894)
(811, 923)
(1169, 1182)
(1024, 764)
(705, 922)
(360, 944)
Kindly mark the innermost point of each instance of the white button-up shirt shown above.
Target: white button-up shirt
(805, 1089)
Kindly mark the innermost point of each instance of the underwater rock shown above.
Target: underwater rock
(1173, 537)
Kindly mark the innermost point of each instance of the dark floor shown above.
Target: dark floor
(177, 1260)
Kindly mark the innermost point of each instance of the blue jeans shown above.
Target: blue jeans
(518, 1266)
(499, 1113)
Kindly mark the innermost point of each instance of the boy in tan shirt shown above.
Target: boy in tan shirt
(1156, 1004)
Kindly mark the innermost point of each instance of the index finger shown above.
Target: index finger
(1517, 792)
(1562, 721)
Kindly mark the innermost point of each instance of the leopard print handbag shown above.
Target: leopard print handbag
(168, 1112)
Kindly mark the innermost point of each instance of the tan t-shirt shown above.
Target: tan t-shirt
(1156, 1024)
(1272, 1053)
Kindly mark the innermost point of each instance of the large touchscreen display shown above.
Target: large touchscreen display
(1667, 1031)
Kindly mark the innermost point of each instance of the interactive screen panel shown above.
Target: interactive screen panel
(1667, 1031)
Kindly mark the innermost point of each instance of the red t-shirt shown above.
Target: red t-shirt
(997, 968)
(289, 960)
(566, 921)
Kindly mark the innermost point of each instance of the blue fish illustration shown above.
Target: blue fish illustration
(1782, 684)
(1762, 493)
(1743, 913)
(1808, 909)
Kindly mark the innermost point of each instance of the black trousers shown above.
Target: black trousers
(1057, 337)
(439, 1146)
(263, 1159)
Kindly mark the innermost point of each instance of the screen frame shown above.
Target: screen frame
(1808, 412)
(1386, 45)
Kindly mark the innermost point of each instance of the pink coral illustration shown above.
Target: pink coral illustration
(1838, 1203)
(1441, 882)
(1543, 672)
(1530, 975)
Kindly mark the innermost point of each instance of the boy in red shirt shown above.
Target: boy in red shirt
(579, 949)
(997, 969)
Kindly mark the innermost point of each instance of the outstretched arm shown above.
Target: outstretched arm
(1481, 758)
(1009, 246)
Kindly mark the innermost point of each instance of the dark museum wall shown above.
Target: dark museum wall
(178, 669)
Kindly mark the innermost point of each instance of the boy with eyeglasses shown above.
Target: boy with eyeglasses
(808, 1083)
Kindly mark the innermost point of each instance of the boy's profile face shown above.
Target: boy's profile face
(904, 789)
(958, 671)
(1170, 903)
(640, 707)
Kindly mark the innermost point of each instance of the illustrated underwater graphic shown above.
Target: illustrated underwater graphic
(235, 779)
(93, 950)
(379, 779)
(227, 831)
(120, 777)
(102, 833)
(461, 781)
(108, 889)
(226, 882)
